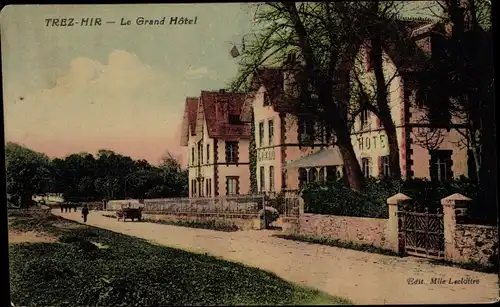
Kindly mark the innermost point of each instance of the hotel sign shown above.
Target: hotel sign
(267, 154)
(372, 142)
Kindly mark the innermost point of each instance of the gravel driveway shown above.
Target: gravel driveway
(362, 277)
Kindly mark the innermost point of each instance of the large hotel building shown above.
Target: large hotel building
(217, 131)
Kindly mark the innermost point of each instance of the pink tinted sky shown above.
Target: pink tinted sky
(74, 89)
(81, 89)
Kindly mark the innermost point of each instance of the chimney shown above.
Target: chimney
(222, 91)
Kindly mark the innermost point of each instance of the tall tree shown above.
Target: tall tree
(461, 78)
(27, 173)
(319, 85)
(375, 29)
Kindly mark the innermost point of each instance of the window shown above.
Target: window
(192, 156)
(200, 153)
(267, 99)
(200, 183)
(306, 131)
(438, 113)
(440, 165)
(234, 120)
(208, 153)
(313, 175)
(231, 152)
(284, 179)
(302, 176)
(366, 166)
(471, 166)
(232, 185)
(193, 187)
(364, 119)
(322, 174)
(270, 127)
(206, 188)
(261, 134)
(210, 187)
(384, 166)
(271, 178)
(331, 173)
(262, 180)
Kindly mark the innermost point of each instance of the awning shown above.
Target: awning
(324, 157)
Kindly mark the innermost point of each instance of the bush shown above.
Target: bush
(337, 199)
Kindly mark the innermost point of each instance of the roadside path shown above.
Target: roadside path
(364, 278)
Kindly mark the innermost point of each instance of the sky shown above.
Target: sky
(119, 87)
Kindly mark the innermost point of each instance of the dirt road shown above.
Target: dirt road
(364, 278)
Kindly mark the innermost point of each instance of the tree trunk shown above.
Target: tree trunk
(392, 139)
(383, 105)
(354, 175)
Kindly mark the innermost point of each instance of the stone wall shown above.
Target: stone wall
(476, 243)
(289, 225)
(359, 230)
(243, 222)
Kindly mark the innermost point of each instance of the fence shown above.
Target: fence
(241, 205)
(286, 202)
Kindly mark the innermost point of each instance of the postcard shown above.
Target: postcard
(280, 153)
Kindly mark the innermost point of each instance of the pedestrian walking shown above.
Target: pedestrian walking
(85, 212)
(75, 205)
(66, 207)
(62, 208)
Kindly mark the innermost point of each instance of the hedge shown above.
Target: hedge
(336, 199)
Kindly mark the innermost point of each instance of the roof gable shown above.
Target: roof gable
(189, 120)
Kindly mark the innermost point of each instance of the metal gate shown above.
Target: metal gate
(421, 234)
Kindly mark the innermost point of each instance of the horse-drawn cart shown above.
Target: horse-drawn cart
(129, 213)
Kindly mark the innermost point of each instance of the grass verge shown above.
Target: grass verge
(129, 271)
(212, 225)
(471, 266)
(337, 243)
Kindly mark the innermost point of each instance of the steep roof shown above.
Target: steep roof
(217, 110)
(406, 42)
(189, 120)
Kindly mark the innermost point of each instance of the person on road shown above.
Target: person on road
(75, 205)
(66, 207)
(62, 208)
(85, 212)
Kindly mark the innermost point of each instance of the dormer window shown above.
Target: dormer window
(267, 99)
(234, 120)
(365, 115)
(306, 131)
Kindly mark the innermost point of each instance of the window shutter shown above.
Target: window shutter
(380, 166)
(227, 186)
(237, 186)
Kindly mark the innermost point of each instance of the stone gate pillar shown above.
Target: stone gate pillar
(395, 203)
(454, 206)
